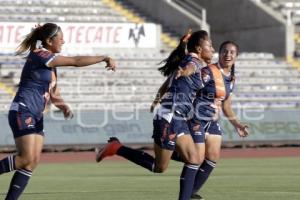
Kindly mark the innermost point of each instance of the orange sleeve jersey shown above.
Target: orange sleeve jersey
(217, 88)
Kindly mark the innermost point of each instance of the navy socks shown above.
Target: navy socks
(138, 157)
(7, 164)
(203, 173)
(18, 184)
(187, 178)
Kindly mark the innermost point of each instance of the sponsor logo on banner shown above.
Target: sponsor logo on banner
(92, 35)
(136, 33)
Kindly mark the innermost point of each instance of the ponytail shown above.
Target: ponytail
(37, 37)
(188, 43)
(232, 73)
(29, 42)
(172, 62)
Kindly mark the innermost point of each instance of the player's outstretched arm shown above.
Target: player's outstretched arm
(82, 61)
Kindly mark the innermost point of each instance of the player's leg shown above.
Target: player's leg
(212, 155)
(186, 147)
(21, 124)
(162, 148)
(197, 132)
(29, 139)
(162, 158)
(201, 151)
(114, 147)
(198, 135)
(8, 164)
(29, 151)
(200, 147)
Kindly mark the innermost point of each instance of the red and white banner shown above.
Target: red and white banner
(92, 35)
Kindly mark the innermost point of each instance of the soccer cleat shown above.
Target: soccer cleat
(196, 196)
(109, 149)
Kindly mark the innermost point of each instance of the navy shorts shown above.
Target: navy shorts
(22, 123)
(165, 133)
(199, 129)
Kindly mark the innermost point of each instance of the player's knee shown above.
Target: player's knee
(28, 162)
(160, 168)
(23, 161)
(201, 159)
(34, 162)
(214, 156)
(194, 158)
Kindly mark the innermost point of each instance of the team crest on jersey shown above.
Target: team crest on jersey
(172, 136)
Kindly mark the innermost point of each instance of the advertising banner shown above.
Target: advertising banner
(90, 127)
(88, 35)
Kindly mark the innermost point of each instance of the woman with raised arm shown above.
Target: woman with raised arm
(37, 86)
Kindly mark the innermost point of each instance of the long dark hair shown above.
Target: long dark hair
(47, 31)
(174, 59)
(232, 72)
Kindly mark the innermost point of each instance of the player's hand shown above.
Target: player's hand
(216, 115)
(110, 64)
(242, 130)
(179, 73)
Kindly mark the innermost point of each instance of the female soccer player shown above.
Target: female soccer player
(218, 80)
(37, 85)
(170, 122)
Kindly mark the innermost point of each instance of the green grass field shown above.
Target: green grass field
(233, 179)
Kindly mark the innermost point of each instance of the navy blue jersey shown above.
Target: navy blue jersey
(217, 88)
(35, 82)
(182, 91)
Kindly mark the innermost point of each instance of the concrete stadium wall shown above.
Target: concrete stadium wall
(244, 22)
(170, 17)
(95, 127)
